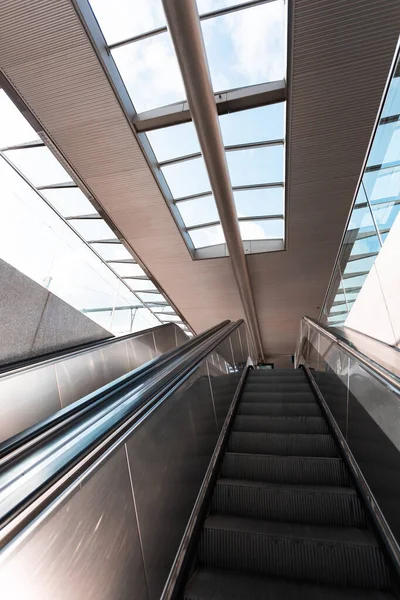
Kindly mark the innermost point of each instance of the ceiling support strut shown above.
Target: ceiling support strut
(184, 26)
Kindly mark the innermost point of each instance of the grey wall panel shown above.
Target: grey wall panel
(88, 547)
(26, 399)
(33, 321)
(168, 455)
(165, 338)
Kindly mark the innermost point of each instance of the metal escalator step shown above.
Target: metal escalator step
(287, 444)
(262, 396)
(219, 584)
(279, 409)
(335, 556)
(277, 386)
(280, 424)
(285, 469)
(317, 505)
(270, 373)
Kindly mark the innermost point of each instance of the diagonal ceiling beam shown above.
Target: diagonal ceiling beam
(184, 26)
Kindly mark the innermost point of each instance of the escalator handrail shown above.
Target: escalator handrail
(390, 380)
(69, 453)
(66, 353)
(92, 401)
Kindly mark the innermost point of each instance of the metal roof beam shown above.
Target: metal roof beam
(184, 26)
(226, 102)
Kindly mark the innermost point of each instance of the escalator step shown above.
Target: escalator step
(279, 409)
(287, 444)
(280, 424)
(334, 556)
(261, 396)
(217, 584)
(270, 373)
(278, 386)
(285, 469)
(317, 505)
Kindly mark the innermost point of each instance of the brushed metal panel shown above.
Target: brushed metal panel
(26, 399)
(237, 349)
(181, 337)
(223, 380)
(87, 548)
(164, 339)
(168, 455)
(85, 373)
(140, 350)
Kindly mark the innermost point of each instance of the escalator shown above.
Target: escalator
(285, 520)
(198, 477)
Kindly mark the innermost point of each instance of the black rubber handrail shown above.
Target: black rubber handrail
(71, 351)
(32, 481)
(79, 409)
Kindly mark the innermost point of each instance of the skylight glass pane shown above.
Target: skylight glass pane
(162, 309)
(69, 201)
(14, 128)
(137, 285)
(187, 178)
(38, 165)
(259, 202)
(386, 145)
(128, 269)
(235, 42)
(198, 211)
(254, 125)
(207, 236)
(151, 297)
(93, 229)
(270, 229)
(392, 102)
(257, 165)
(112, 251)
(123, 19)
(172, 142)
(150, 72)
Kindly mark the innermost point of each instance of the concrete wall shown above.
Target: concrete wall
(34, 321)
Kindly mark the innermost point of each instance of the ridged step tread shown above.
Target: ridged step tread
(261, 396)
(287, 373)
(316, 505)
(280, 424)
(279, 409)
(277, 386)
(335, 556)
(285, 469)
(286, 444)
(219, 584)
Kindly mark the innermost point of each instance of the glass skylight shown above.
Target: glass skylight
(235, 42)
(38, 165)
(52, 254)
(150, 72)
(375, 211)
(69, 201)
(123, 19)
(142, 49)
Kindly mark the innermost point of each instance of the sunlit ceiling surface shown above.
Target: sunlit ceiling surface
(375, 210)
(51, 231)
(235, 35)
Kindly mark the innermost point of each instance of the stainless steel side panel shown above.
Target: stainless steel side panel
(165, 339)
(140, 350)
(168, 456)
(88, 547)
(26, 399)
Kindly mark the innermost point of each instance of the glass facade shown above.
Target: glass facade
(51, 231)
(235, 34)
(362, 294)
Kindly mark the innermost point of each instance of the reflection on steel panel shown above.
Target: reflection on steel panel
(237, 349)
(82, 374)
(87, 548)
(165, 339)
(26, 399)
(140, 350)
(168, 454)
(374, 439)
(181, 336)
